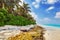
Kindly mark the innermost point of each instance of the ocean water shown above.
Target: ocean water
(52, 25)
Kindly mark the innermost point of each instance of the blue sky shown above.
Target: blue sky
(45, 11)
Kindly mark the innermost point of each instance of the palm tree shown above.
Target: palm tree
(24, 10)
(9, 4)
(2, 2)
(26, 7)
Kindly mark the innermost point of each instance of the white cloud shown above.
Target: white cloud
(33, 15)
(36, 6)
(51, 1)
(57, 15)
(36, 3)
(45, 20)
(50, 8)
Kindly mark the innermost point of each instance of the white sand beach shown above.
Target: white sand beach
(52, 34)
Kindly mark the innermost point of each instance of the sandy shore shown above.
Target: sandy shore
(52, 34)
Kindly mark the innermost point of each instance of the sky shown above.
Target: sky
(45, 11)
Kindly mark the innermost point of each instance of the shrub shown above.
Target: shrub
(7, 18)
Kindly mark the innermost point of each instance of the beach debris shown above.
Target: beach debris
(34, 33)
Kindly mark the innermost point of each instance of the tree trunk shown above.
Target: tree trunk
(3, 5)
(0, 5)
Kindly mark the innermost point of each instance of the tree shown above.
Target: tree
(26, 7)
(9, 4)
(20, 16)
(2, 2)
(24, 10)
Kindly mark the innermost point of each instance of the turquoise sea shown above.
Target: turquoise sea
(52, 25)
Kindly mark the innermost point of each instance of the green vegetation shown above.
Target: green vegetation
(10, 19)
(20, 16)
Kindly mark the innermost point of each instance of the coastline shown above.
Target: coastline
(51, 33)
(49, 27)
